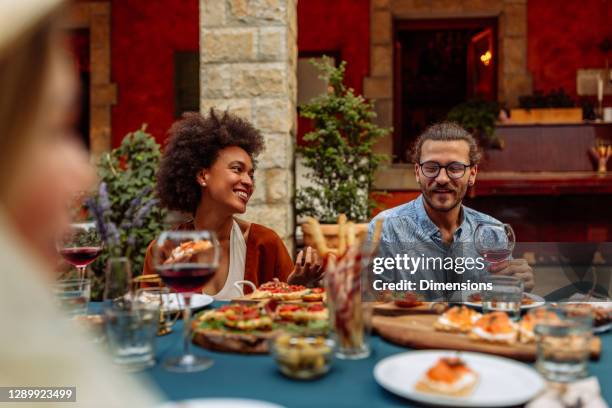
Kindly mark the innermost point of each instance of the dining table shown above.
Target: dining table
(349, 383)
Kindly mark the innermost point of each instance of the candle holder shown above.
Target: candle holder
(601, 152)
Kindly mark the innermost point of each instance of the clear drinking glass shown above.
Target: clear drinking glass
(186, 261)
(505, 295)
(563, 338)
(131, 335)
(163, 300)
(350, 315)
(73, 296)
(118, 278)
(494, 242)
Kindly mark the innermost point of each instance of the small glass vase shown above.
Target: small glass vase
(118, 278)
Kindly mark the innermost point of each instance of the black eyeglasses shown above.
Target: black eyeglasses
(454, 170)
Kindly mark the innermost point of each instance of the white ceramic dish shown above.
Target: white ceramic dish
(502, 382)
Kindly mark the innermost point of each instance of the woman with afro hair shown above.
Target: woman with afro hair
(207, 171)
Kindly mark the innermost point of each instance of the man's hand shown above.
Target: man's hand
(515, 267)
(308, 270)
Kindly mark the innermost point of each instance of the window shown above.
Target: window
(186, 82)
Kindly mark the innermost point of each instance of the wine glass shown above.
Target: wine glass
(80, 245)
(494, 242)
(186, 261)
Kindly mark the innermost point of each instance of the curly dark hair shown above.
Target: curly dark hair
(193, 144)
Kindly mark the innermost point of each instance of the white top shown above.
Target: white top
(237, 259)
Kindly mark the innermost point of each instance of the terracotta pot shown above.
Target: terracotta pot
(330, 232)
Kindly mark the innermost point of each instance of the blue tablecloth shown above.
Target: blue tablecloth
(348, 384)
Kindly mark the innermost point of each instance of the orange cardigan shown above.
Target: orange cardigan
(266, 256)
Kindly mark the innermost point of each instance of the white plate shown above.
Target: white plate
(502, 381)
(537, 301)
(174, 302)
(220, 403)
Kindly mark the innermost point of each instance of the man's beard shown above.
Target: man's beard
(458, 193)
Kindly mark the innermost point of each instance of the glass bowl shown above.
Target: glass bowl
(302, 357)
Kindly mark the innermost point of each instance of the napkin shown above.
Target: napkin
(580, 394)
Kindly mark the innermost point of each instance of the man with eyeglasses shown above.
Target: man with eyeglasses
(436, 223)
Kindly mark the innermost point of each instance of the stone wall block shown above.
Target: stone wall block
(228, 44)
(273, 115)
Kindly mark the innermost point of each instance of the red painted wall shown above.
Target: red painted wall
(144, 36)
(562, 37)
(342, 26)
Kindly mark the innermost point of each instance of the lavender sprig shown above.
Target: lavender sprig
(128, 222)
(104, 202)
(93, 205)
(143, 211)
(114, 238)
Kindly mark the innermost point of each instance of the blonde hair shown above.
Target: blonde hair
(24, 68)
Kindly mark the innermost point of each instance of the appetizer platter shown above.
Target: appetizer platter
(529, 300)
(247, 328)
(282, 291)
(602, 314)
(408, 303)
(461, 328)
(446, 378)
(234, 328)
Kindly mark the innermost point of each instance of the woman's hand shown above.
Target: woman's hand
(308, 269)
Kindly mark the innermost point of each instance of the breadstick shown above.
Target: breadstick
(377, 232)
(341, 234)
(318, 237)
(350, 234)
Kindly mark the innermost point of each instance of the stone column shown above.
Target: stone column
(248, 58)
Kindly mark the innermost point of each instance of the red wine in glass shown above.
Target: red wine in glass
(186, 261)
(186, 278)
(496, 255)
(494, 242)
(80, 256)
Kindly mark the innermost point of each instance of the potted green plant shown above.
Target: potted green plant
(338, 155)
(125, 208)
(478, 117)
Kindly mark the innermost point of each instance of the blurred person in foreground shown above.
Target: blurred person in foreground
(42, 165)
(446, 161)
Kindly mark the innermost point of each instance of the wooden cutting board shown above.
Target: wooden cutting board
(391, 309)
(417, 331)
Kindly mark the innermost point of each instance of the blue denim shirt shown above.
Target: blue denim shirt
(408, 229)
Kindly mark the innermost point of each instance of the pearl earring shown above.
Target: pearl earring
(203, 184)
